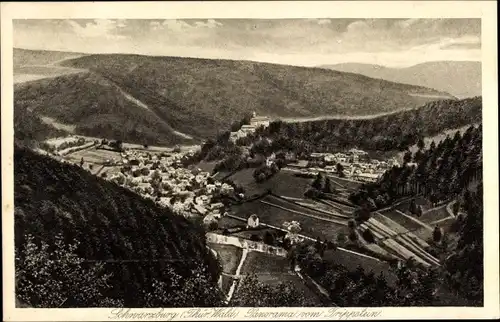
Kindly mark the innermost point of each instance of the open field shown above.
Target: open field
(419, 201)
(338, 206)
(434, 214)
(229, 256)
(353, 262)
(257, 262)
(346, 183)
(228, 222)
(307, 211)
(273, 270)
(245, 179)
(282, 183)
(227, 281)
(94, 155)
(322, 207)
(206, 166)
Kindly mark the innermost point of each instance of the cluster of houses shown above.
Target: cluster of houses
(356, 165)
(162, 178)
(255, 122)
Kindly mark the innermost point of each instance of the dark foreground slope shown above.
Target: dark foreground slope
(140, 244)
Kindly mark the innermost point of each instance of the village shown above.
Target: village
(353, 165)
(162, 178)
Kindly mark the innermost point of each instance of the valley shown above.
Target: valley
(338, 190)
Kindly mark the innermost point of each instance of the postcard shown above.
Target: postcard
(246, 160)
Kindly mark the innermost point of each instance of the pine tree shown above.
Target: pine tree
(328, 186)
(318, 182)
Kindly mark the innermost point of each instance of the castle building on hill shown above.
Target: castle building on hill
(255, 122)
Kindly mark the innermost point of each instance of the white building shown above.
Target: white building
(253, 221)
(257, 121)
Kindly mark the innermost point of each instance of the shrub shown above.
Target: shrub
(269, 238)
(353, 236)
(254, 237)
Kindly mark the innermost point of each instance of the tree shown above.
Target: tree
(340, 170)
(432, 146)
(421, 144)
(328, 186)
(341, 238)
(407, 157)
(253, 293)
(254, 237)
(353, 236)
(269, 238)
(368, 236)
(437, 234)
(362, 214)
(194, 291)
(82, 162)
(318, 182)
(52, 277)
(412, 208)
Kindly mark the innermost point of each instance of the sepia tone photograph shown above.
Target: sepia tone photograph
(248, 163)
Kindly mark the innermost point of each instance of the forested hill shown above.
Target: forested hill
(199, 97)
(89, 105)
(450, 170)
(396, 131)
(145, 248)
(442, 173)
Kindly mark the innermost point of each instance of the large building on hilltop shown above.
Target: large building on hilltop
(255, 122)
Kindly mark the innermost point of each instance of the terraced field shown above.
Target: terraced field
(322, 207)
(402, 220)
(306, 210)
(435, 214)
(345, 183)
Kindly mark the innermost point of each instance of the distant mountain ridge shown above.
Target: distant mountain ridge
(459, 78)
(170, 100)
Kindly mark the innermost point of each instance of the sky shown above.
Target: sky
(301, 42)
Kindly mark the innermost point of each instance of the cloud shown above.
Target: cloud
(466, 42)
(211, 23)
(98, 28)
(181, 25)
(462, 46)
(324, 21)
(306, 42)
